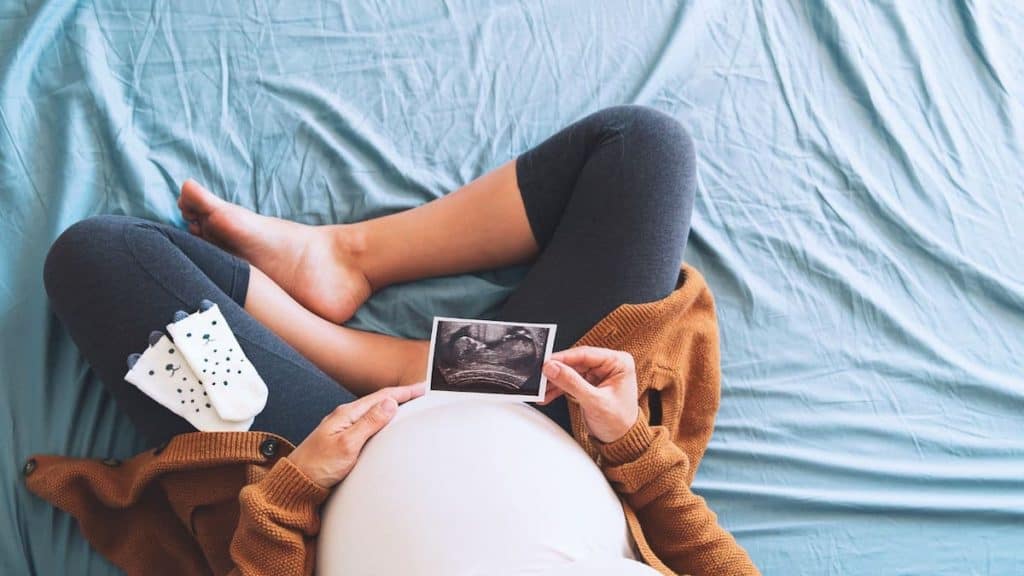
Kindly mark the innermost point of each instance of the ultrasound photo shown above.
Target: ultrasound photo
(483, 357)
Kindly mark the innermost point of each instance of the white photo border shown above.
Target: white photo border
(548, 347)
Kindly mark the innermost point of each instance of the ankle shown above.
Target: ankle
(415, 365)
(349, 243)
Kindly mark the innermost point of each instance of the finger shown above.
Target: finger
(550, 394)
(570, 381)
(601, 362)
(590, 376)
(399, 394)
(408, 392)
(354, 410)
(587, 355)
(371, 422)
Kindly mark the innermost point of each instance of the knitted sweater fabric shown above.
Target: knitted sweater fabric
(233, 503)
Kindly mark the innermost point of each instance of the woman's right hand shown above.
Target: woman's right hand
(330, 451)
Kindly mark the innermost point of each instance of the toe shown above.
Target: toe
(195, 201)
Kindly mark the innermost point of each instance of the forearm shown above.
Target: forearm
(279, 516)
(650, 472)
(278, 522)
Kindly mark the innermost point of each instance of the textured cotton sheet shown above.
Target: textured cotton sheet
(860, 218)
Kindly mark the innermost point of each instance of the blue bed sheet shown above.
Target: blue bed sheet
(860, 218)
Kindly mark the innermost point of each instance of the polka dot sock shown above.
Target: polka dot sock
(163, 374)
(231, 383)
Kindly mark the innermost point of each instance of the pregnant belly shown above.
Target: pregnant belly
(457, 486)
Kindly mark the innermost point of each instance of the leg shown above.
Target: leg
(487, 214)
(364, 361)
(609, 200)
(640, 161)
(113, 279)
(332, 270)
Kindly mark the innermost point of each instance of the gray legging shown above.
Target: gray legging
(608, 200)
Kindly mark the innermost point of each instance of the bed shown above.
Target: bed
(860, 218)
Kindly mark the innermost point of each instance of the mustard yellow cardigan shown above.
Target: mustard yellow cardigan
(232, 503)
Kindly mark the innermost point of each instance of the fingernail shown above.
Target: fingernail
(180, 315)
(205, 305)
(551, 369)
(388, 406)
(155, 337)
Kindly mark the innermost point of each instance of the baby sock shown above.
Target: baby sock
(231, 383)
(163, 374)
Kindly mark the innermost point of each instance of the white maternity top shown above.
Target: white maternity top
(469, 487)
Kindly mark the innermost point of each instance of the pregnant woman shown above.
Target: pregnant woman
(595, 481)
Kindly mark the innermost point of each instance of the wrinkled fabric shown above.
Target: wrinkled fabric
(859, 216)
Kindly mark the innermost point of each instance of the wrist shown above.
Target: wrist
(299, 463)
(629, 446)
(622, 428)
(289, 486)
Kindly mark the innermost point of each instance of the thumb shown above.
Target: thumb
(569, 380)
(372, 422)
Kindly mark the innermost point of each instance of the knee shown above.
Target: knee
(656, 145)
(80, 252)
(652, 134)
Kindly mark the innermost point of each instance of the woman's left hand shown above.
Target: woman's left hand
(603, 381)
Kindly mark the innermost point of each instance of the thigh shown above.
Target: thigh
(114, 279)
(609, 199)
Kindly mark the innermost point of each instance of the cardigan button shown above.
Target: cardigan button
(30, 467)
(112, 462)
(268, 448)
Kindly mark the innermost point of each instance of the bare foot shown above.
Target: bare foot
(313, 264)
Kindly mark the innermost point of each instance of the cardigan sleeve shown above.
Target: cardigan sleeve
(650, 472)
(278, 523)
